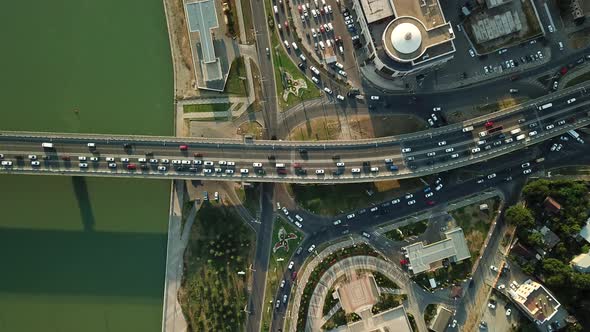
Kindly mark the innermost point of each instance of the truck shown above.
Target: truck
(520, 137)
(546, 106)
(576, 136)
(47, 145)
(515, 131)
(466, 129)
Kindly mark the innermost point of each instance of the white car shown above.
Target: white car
(508, 312)
(162, 168)
(533, 133)
(337, 222)
(110, 159)
(491, 176)
(436, 109)
(229, 171)
(471, 53)
(550, 28)
(328, 91)
(527, 171)
(6, 163)
(374, 209)
(455, 155)
(501, 287)
(339, 65)
(571, 101)
(475, 150)
(374, 169)
(112, 165)
(314, 70)
(412, 202)
(395, 201)
(166, 161)
(430, 122)
(431, 154)
(311, 248)
(350, 216)
(32, 157)
(298, 217)
(491, 306)
(441, 143)
(355, 170)
(549, 127)
(439, 187)
(124, 160)
(207, 171)
(244, 171)
(560, 122)
(339, 164)
(449, 149)
(313, 33)
(433, 116)
(407, 150)
(282, 283)
(342, 73)
(430, 194)
(83, 165)
(340, 97)
(35, 163)
(374, 97)
(291, 264)
(367, 235)
(319, 171)
(285, 211)
(256, 164)
(408, 196)
(298, 224)
(493, 268)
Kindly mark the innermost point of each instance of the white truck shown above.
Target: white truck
(576, 136)
(546, 106)
(47, 145)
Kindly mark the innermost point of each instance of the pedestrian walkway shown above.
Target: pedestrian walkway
(173, 318)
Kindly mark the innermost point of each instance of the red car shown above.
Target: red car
(131, 167)
(563, 71)
(66, 158)
(430, 202)
(286, 25)
(296, 165)
(489, 124)
(183, 147)
(294, 275)
(198, 155)
(282, 171)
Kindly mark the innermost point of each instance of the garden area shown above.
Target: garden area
(476, 223)
(383, 281)
(414, 229)
(340, 318)
(429, 313)
(388, 301)
(449, 274)
(286, 239)
(316, 274)
(212, 293)
(200, 108)
(236, 79)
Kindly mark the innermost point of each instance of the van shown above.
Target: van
(515, 131)
(520, 137)
(47, 145)
(276, 9)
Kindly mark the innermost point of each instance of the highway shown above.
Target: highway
(416, 154)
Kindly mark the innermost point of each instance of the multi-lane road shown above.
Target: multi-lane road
(416, 154)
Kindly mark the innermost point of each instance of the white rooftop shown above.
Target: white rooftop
(453, 247)
(376, 10)
(406, 38)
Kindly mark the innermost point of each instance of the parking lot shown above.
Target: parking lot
(324, 38)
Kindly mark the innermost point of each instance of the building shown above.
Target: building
(358, 295)
(496, 3)
(535, 301)
(493, 27)
(585, 232)
(550, 239)
(581, 263)
(403, 37)
(425, 257)
(551, 205)
(441, 320)
(390, 320)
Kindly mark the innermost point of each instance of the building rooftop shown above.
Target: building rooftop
(535, 300)
(376, 10)
(551, 205)
(454, 247)
(392, 320)
(441, 320)
(585, 231)
(582, 261)
(550, 239)
(358, 295)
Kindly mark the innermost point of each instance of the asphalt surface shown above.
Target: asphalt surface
(415, 154)
(509, 178)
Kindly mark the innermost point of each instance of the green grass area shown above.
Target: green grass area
(429, 313)
(383, 281)
(247, 16)
(388, 301)
(278, 263)
(235, 85)
(446, 276)
(403, 232)
(212, 293)
(476, 223)
(201, 108)
(340, 318)
(337, 199)
(580, 79)
(412, 322)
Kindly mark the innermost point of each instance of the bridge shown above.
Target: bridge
(409, 155)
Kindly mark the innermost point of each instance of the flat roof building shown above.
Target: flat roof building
(358, 295)
(391, 320)
(581, 263)
(535, 301)
(423, 257)
(415, 35)
(441, 320)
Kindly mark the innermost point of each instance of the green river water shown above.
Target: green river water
(83, 254)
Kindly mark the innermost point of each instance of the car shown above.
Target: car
(533, 133)
(455, 155)
(436, 109)
(367, 235)
(342, 73)
(549, 127)
(525, 165)
(328, 90)
(430, 122)
(355, 170)
(493, 268)
(299, 250)
(431, 154)
(311, 248)
(244, 171)
(109, 159)
(564, 138)
(298, 224)
(337, 222)
(502, 51)
(340, 97)
(285, 298)
(550, 28)
(501, 287)
(491, 176)
(471, 53)
(430, 194)
(475, 150)
(94, 159)
(491, 305)
(508, 312)
(350, 216)
(319, 171)
(37, 163)
(374, 97)
(298, 217)
(571, 101)
(6, 163)
(278, 303)
(34, 157)
(112, 165)
(285, 211)
(441, 143)
(412, 202)
(339, 164)
(454, 323)
(509, 140)
(166, 161)
(560, 122)
(527, 171)
(124, 160)
(282, 285)
(314, 70)
(434, 117)
(439, 187)
(229, 171)
(291, 264)
(555, 85)
(315, 80)
(481, 142)
(339, 65)
(207, 171)
(447, 150)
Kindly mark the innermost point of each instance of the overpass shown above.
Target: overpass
(415, 154)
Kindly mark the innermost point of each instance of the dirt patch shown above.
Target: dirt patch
(251, 128)
(579, 39)
(382, 186)
(365, 126)
(474, 240)
(479, 110)
(317, 130)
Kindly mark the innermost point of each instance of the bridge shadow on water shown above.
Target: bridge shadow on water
(81, 191)
(82, 263)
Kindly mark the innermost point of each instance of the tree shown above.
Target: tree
(520, 216)
(535, 239)
(536, 191)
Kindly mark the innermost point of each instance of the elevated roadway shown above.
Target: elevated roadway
(416, 154)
